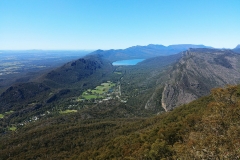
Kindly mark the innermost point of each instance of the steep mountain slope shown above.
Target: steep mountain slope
(79, 72)
(198, 71)
(24, 94)
(144, 52)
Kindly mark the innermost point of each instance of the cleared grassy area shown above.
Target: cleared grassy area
(1, 116)
(100, 88)
(9, 112)
(91, 96)
(68, 111)
(118, 72)
(105, 84)
(98, 92)
(13, 128)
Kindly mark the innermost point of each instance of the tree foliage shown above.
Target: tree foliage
(208, 128)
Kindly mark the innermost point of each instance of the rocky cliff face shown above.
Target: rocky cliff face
(197, 72)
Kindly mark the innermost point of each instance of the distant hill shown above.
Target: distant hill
(80, 72)
(238, 46)
(144, 52)
(237, 49)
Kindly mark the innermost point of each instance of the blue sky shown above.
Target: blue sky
(115, 24)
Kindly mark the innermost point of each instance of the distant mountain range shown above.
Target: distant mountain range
(144, 52)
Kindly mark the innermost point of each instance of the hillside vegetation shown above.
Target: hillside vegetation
(208, 128)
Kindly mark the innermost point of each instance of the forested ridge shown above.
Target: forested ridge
(207, 128)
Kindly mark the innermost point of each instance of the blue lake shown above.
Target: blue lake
(127, 62)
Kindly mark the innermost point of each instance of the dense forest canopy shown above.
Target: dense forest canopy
(207, 128)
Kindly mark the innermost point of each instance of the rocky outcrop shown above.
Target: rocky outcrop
(196, 73)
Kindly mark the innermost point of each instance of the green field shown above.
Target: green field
(9, 112)
(98, 92)
(1, 116)
(89, 96)
(68, 111)
(13, 128)
(6, 113)
(118, 72)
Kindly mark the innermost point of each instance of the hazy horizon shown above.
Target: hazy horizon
(92, 50)
(118, 24)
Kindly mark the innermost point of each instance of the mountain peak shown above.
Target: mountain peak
(237, 47)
